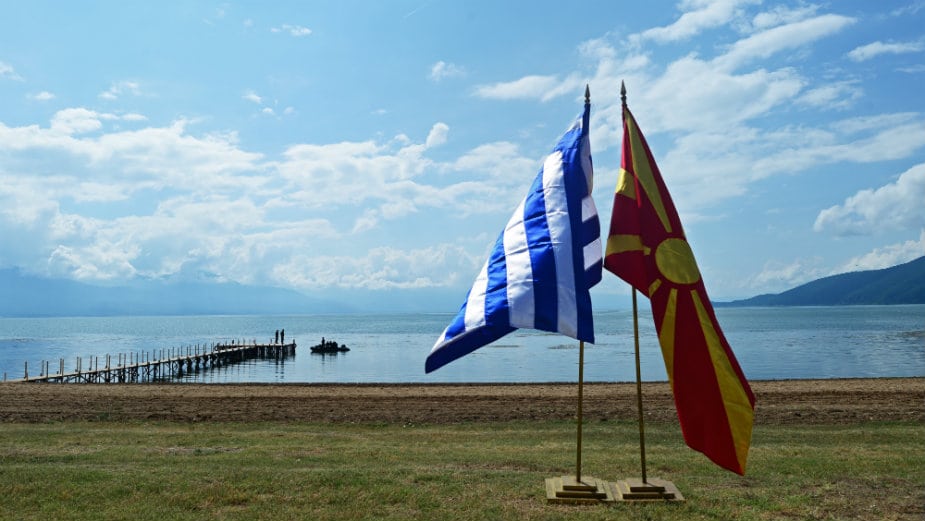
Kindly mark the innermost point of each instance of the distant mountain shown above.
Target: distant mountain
(24, 295)
(902, 284)
(27, 296)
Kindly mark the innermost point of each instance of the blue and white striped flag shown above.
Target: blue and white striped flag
(544, 262)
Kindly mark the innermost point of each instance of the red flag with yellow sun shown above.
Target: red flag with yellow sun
(647, 248)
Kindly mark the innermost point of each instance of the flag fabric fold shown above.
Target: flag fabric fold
(544, 262)
(647, 248)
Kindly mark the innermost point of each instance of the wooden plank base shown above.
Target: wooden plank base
(633, 489)
(566, 489)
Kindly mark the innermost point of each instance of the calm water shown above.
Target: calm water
(770, 343)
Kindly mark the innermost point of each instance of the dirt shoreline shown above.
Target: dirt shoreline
(779, 402)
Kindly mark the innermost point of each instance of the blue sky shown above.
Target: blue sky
(371, 146)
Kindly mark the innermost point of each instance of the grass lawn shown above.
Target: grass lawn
(164, 471)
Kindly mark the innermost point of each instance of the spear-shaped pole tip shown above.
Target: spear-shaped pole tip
(623, 92)
(587, 94)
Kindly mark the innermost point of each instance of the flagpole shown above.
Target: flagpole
(579, 489)
(581, 365)
(632, 489)
(642, 428)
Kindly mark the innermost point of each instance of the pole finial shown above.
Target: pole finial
(587, 94)
(623, 92)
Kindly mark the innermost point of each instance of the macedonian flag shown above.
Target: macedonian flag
(647, 248)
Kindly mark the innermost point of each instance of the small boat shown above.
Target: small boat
(329, 346)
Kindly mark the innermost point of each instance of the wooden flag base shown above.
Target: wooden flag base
(566, 489)
(633, 489)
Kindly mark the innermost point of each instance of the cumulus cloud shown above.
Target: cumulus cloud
(443, 265)
(780, 276)
(76, 121)
(437, 135)
(386, 179)
(887, 256)
(872, 50)
(42, 96)
(253, 97)
(154, 157)
(896, 206)
(442, 70)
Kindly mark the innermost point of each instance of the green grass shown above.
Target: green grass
(166, 471)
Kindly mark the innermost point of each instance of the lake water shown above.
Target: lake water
(770, 343)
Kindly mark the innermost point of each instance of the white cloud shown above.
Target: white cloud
(253, 97)
(543, 88)
(698, 15)
(717, 164)
(442, 70)
(528, 87)
(896, 206)
(116, 90)
(780, 15)
(707, 120)
(437, 135)
(887, 256)
(910, 9)
(7, 71)
(777, 276)
(155, 156)
(695, 95)
(293, 30)
(872, 50)
(76, 121)
(377, 174)
(838, 95)
(443, 265)
(42, 96)
(782, 38)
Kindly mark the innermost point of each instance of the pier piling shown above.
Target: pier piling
(142, 367)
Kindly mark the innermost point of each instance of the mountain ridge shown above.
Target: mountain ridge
(24, 295)
(900, 284)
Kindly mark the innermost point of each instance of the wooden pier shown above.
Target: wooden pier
(149, 367)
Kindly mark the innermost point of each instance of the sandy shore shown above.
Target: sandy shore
(779, 402)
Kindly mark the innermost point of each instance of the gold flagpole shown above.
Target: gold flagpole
(632, 489)
(567, 489)
(642, 427)
(581, 373)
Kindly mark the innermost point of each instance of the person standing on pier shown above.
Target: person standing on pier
(277, 337)
(282, 336)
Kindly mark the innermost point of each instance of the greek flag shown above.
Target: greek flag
(544, 262)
